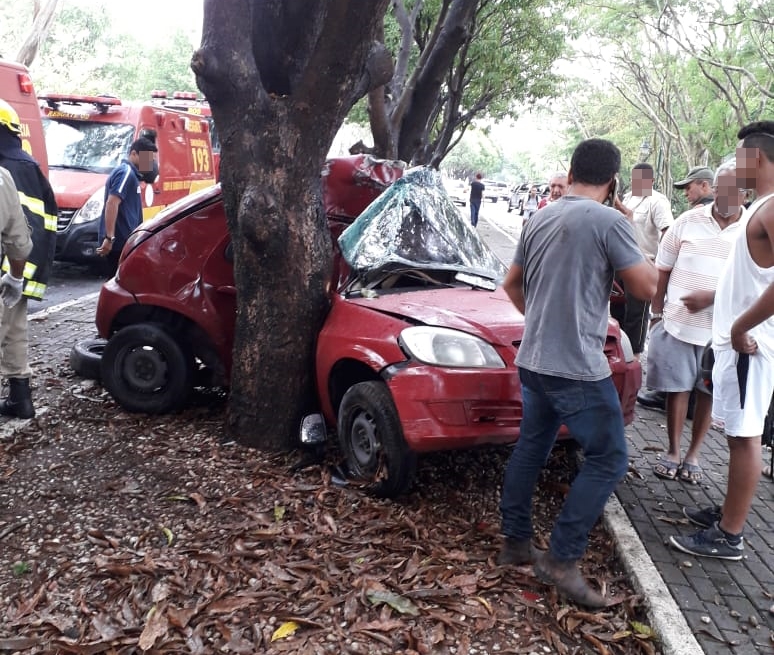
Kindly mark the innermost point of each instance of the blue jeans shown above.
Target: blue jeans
(592, 413)
(475, 205)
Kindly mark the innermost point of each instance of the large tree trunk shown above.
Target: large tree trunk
(41, 22)
(280, 76)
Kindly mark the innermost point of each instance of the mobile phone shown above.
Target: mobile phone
(610, 200)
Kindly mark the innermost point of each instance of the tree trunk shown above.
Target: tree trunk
(41, 22)
(280, 76)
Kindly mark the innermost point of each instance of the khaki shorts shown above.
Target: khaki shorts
(726, 405)
(673, 365)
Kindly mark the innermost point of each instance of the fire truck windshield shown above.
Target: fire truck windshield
(84, 145)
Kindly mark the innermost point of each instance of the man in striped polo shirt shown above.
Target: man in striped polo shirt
(689, 260)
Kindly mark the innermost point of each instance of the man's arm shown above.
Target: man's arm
(640, 280)
(513, 285)
(657, 303)
(111, 214)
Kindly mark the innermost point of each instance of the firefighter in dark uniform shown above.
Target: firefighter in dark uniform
(39, 205)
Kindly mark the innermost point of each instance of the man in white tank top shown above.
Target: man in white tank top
(743, 342)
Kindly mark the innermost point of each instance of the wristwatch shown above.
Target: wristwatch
(111, 239)
(655, 315)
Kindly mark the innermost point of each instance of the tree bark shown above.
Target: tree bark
(280, 76)
(41, 22)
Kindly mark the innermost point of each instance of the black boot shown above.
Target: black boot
(19, 400)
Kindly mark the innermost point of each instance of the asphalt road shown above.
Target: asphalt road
(68, 282)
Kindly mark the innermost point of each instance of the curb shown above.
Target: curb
(667, 620)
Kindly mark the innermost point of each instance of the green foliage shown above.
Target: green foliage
(475, 153)
(21, 568)
(86, 53)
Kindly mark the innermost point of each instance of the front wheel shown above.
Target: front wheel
(145, 370)
(372, 440)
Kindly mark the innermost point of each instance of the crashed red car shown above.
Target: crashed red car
(416, 354)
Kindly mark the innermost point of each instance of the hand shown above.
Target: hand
(698, 300)
(105, 248)
(11, 289)
(742, 342)
(623, 208)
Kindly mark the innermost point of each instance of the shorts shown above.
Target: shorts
(673, 365)
(726, 405)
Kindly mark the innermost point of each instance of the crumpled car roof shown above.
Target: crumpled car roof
(415, 225)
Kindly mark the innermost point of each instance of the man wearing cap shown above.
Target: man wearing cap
(743, 344)
(697, 186)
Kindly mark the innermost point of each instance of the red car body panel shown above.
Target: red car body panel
(179, 263)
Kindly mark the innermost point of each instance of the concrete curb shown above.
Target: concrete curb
(667, 620)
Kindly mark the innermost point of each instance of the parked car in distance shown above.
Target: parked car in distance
(458, 191)
(494, 190)
(416, 353)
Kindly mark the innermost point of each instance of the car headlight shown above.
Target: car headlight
(92, 208)
(626, 348)
(445, 347)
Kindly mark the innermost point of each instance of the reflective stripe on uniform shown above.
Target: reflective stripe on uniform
(34, 289)
(37, 206)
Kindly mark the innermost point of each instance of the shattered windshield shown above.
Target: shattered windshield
(84, 145)
(414, 224)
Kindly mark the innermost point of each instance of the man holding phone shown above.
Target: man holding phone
(565, 376)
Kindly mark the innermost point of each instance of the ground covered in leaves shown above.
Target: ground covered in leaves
(126, 534)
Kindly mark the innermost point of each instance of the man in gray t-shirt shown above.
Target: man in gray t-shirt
(560, 280)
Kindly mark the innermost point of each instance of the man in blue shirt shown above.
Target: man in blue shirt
(122, 211)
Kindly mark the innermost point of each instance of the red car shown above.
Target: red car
(416, 354)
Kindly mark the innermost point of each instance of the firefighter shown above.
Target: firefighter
(39, 205)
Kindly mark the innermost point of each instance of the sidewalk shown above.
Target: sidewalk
(697, 606)
(724, 604)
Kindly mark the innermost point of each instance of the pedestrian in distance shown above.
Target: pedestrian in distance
(476, 195)
(557, 187)
(689, 261)
(565, 376)
(743, 344)
(531, 203)
(39, 206)
(122, 210)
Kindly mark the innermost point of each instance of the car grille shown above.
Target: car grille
(64, 218)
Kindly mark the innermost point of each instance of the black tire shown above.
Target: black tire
(145, 370)
(372, 440)
(86, 357)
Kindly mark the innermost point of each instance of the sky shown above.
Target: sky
(150, 20)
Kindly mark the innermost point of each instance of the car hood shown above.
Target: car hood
(415, 224)
(73, 188)
(486, 314)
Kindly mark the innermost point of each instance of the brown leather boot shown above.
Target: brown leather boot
(516, 552)
(568, 580)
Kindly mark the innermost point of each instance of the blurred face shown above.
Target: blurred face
(729, 197)
(145, 161)
(746, 167)
(533, 191)
(696, 190)
(558, 187)
(642, 182)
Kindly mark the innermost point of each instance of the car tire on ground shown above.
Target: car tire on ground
(86, 356)
(371, 439)
(146, 370)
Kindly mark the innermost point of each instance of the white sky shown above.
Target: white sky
(151, 21)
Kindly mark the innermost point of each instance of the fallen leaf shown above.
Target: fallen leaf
(156, 626)
(399, 603)
(287, 629)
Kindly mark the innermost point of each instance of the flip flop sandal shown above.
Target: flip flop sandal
(692, 473)
(666, 470)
